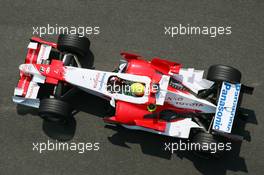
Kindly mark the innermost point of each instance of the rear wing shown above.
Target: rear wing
(226, 107)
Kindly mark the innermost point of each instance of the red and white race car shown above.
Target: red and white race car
(157, 96)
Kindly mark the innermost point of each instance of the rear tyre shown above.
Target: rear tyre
(54, 110)
(219, 73)
(208, 145)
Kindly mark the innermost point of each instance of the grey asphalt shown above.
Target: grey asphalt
(138, 27)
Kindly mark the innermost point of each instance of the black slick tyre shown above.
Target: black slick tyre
(54, 110)
(219, 73)
(206, 145)
(73, 44)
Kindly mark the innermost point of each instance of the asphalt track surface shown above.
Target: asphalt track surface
(137, 27)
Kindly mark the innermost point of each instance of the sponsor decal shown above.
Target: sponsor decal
(178, 101)
(42, 69)
(226, 107)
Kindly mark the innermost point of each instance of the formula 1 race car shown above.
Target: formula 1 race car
(157, 96)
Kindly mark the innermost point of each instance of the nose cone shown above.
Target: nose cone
(28, 69)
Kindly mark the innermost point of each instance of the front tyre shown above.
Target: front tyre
(79, 46)
(73, 44)
(54, 110)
